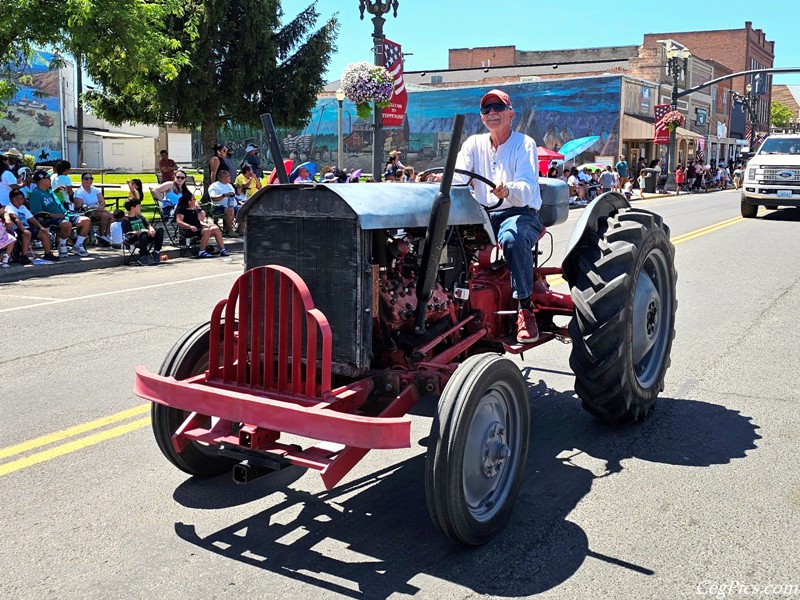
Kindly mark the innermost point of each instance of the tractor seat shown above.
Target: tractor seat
(497, 253)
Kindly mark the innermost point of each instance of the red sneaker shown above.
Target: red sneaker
(527, 331)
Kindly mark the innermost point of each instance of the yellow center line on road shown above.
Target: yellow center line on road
(91, 440)
(73, 431)
(685, 237)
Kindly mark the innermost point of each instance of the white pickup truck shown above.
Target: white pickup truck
(772, 175)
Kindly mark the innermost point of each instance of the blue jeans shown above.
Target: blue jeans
(517, 230)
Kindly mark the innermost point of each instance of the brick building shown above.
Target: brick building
(738, 49)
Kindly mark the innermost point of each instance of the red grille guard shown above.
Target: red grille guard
(272, 379)
(286, 414)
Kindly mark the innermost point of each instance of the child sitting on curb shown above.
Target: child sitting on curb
(116, 229)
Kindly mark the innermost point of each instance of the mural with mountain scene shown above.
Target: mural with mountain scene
(577, 117)
(31, 121)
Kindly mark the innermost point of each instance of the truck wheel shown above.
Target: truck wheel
(477, 449)
(624, 318)
(188, 357)
(749, 211)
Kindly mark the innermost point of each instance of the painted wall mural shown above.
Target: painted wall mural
(31, 122)
(577, 117)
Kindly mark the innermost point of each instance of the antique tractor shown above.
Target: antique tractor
(357, 301)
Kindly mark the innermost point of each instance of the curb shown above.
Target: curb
(99, 258)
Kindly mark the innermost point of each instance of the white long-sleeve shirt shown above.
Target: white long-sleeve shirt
(515, 163)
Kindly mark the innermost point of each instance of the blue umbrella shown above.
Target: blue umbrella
(312, 170)
(575, 147)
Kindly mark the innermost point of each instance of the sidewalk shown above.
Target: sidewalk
(100, 258)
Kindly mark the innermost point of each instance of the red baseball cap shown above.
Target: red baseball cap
(496, 96)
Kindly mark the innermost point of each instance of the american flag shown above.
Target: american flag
(393, 60)
(701, 142)
(662, 131)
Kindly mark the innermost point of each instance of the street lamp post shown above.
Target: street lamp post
(749, 103)
(377, 9)
(677, 62)
(340, 146)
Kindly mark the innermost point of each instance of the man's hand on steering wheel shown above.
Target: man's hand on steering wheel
(501, 191)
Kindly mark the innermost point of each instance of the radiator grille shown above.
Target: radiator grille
(326, 252)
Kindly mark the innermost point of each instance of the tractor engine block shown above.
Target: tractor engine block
(398, 298)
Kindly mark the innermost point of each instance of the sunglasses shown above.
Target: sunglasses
(88, 178)
(496, 106)
(180, 177)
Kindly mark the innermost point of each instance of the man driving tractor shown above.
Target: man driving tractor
(509, 158)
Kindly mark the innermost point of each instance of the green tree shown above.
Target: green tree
(780, 115)
(242, 62)
(114, 38)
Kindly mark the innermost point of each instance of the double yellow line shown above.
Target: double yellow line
(100, 435)
(556, 280)
(127, 418)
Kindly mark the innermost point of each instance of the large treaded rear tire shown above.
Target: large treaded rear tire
(188, 357)
(622, 279)
(477, 449)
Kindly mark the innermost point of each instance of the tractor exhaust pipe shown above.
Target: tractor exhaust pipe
(437, 227)
(274, 147)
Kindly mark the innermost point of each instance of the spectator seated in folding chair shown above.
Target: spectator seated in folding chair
(139, 233)
(20, 221)
(190, 219)
(43, 202)
(89, 201)
(223, 195)
(167, 196)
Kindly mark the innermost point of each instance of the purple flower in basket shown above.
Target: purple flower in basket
(364, 84)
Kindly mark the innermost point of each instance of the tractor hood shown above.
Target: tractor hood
(376, 206)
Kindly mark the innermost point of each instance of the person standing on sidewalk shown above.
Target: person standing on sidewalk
(622, 171)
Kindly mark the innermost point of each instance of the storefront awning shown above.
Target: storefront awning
(685, 133)
(634, 128)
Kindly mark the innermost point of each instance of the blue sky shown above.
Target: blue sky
(428, 28)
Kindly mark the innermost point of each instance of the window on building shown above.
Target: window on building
(436, 79)
(118, 149)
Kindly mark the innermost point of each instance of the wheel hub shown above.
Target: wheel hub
(495, 450)
(652, 318)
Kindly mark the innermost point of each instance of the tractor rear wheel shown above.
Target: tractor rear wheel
(477, 450)
(188, 357)
(624, 318)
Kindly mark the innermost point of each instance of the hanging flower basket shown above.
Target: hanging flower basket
(364, 84)
(673, 119)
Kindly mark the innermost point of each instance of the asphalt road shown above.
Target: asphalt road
(705, 493)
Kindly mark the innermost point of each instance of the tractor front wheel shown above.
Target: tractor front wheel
(622, 279)
(188, 357)
(477, 449)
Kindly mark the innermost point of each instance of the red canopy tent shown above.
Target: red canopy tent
(545, 156)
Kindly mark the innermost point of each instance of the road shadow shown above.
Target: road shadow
(784, 214)
(371, 537)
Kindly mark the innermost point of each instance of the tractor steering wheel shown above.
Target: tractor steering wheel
(425, 174)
